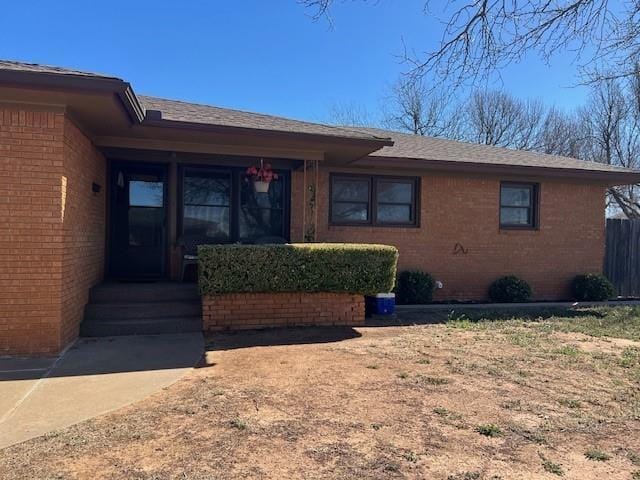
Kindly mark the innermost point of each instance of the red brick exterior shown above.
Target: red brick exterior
(50, 250)
(83, 227)
(464, 209)
(260, 310)
(52, 238)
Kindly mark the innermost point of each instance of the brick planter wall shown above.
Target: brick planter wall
(238, 311)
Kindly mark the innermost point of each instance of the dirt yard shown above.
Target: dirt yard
(554, 395)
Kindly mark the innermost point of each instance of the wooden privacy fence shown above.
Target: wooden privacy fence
(622, 256)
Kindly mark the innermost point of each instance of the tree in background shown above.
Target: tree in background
(479, 37)
(609, 132)
(606, 129)
(411, 107)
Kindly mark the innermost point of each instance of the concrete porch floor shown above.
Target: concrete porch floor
(92, 377)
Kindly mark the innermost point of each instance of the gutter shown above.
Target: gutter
(611, 177)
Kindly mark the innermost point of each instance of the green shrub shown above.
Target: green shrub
(489, 430)
(311, 267)
(592, 288)
(509, 289)
(414, 288)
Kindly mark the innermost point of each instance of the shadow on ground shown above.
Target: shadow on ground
(108, 355)
(278, 336)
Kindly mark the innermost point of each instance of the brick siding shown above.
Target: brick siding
(239, 311)
(44, 211)
(52, 238)
(83, 227)
(464, 208)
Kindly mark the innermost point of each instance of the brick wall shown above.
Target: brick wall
(463, 208)
(260, 310)
(41, 211)
(83, 227)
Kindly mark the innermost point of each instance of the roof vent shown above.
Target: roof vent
(153, 115)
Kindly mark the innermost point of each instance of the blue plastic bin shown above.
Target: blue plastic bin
(381, 304)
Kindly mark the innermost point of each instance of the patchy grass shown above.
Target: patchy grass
(380, 403)
(616, 322)
(569, 402)
(489, 430)
(597, 455)
(239, 424)
(551, 467)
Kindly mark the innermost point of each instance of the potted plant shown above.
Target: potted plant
(261, 176)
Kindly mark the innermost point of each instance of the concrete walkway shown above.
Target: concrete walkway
(94, 376)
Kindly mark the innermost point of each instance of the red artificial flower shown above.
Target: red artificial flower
(262, 174)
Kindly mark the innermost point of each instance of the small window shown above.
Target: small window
(350, 200)
(395, 201)
(383, 201)
(518, 203)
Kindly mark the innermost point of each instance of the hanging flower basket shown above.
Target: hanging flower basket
(261, 186)
(261, 177)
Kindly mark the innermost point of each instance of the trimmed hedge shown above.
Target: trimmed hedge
(414, 288)
(510, 289)
(307, 267)
(592, 288)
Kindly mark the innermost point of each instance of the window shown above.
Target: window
(221, 205)
(145, 212)
(350, 199)
(518, 202)
(146, 193)
(382, 201)
(261, 213)
(206, 205)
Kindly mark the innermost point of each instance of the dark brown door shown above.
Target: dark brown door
(138, 221)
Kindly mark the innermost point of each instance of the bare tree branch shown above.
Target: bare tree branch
(479, 37)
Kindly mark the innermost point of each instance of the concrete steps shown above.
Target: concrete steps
(142, 309)
(143, 292)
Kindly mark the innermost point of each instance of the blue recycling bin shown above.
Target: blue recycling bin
(381, 304)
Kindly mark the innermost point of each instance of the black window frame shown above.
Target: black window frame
(372, 203)
(184, 173)
(237, 175)
(533, 207)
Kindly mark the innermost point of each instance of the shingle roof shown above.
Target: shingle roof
(37, 68)
(407, 146)
(180, 111)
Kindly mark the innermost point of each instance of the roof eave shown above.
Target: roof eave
(56, 81)
(611, 178)
(375, 143)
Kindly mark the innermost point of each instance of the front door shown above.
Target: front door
(137, 221)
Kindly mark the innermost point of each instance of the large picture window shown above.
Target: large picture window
(221, 205)
(374, 200)
(518, 205)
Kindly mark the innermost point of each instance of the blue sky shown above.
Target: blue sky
(266, 56)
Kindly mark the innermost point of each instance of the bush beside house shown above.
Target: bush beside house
(257, 286)
(414, 288)
(592, 288)
(510, 289)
